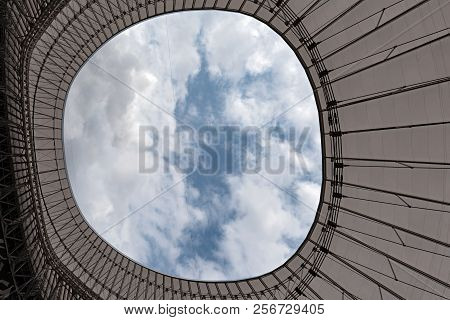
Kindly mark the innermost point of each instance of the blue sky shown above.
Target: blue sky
(218, 69)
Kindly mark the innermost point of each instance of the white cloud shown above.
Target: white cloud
(101, 143)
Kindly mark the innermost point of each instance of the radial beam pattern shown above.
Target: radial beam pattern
(380, 71)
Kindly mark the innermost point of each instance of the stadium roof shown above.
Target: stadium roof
(380, 71)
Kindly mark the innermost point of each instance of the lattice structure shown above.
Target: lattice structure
(380, 71)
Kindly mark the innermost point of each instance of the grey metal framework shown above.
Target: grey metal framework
(380, 71)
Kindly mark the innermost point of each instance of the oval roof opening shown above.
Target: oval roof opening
(192, 142)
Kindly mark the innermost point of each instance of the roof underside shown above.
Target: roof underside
(381, 72)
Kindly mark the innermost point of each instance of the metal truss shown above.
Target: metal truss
(380, 75)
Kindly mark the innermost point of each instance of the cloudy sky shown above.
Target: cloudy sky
(214, 69)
